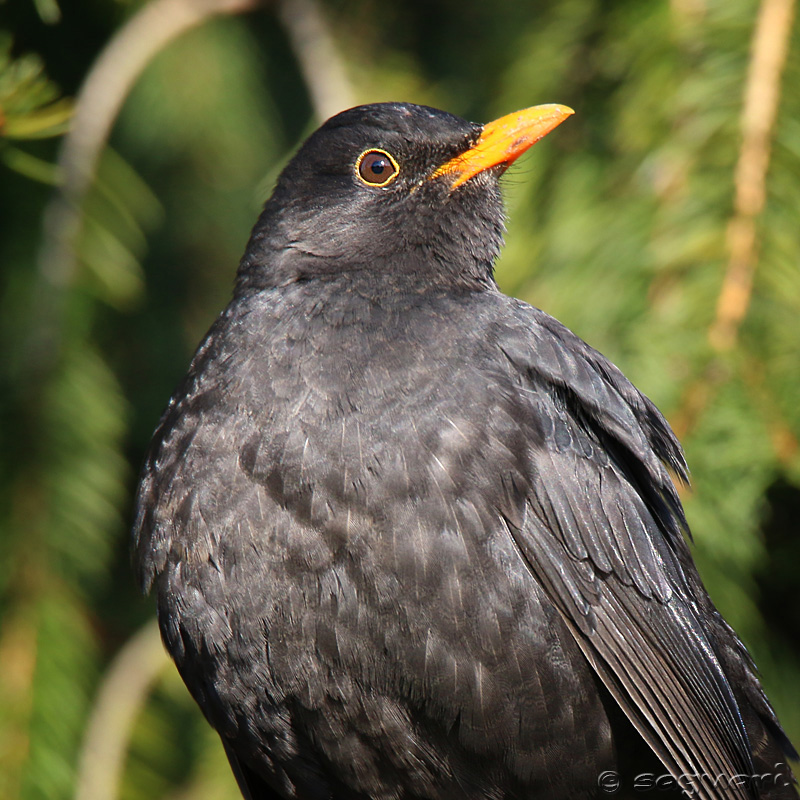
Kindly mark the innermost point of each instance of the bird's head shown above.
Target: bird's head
(392, 191)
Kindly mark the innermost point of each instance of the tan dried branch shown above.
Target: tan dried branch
(761, 100)
(322, 67)
(99, 101)
(120, 699)
(760, 107)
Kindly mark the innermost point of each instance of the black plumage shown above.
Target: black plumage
(412, 538)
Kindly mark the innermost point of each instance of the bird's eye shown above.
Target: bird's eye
(376, 168)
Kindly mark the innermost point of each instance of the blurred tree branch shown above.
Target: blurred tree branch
(119, 700)
(761, 100)
(322, 67)
(98, 104)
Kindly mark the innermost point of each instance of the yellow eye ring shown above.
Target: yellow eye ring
(376, 167)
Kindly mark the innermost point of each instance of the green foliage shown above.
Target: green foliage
(618, 225)
(65, 673)
(30, 103)
(30, 108)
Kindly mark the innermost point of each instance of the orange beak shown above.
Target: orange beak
(504, 141)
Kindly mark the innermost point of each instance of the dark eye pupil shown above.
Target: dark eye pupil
(377, 167)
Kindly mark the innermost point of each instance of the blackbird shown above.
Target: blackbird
(413, 538)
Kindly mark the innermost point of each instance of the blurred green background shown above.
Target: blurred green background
(660, 223)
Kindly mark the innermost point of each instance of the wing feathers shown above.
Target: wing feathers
(602, 531)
